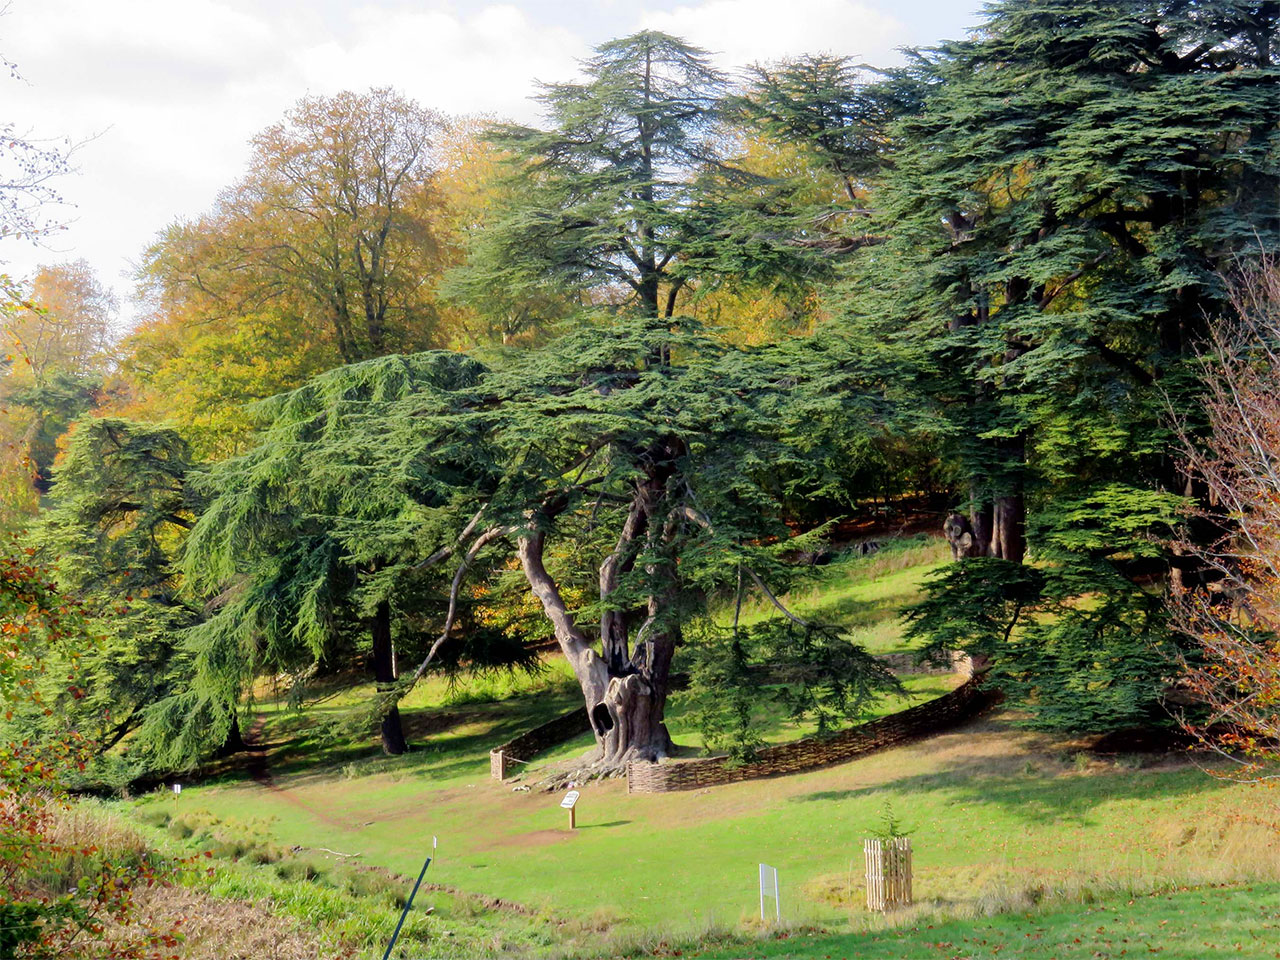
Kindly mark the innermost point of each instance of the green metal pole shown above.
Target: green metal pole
(409, 903)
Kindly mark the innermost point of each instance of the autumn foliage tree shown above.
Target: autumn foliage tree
(327, 251)
(1235, 618)
(60, 895)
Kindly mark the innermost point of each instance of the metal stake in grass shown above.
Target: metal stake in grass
(769, 888)
(409, 903)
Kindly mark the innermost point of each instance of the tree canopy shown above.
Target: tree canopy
(412, 374)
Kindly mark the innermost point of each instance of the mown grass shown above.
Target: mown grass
(864, 595)
(992, 809)
(1001, 819)
(1184, 924)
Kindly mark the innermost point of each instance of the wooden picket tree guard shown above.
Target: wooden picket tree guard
(888, 873)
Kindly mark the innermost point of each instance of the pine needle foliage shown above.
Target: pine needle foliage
(1058, 212)
(121, 507)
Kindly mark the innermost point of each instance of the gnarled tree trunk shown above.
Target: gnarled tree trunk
(626, 700)
(625, 685)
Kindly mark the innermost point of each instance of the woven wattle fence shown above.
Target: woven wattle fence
(888, 873)
(504, 758)
(528, 745)
(961, 704)
(522, 749)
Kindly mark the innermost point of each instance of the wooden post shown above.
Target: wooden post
(569, 802)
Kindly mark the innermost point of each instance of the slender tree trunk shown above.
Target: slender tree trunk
(384, 670)
(234, 740)
(1009, 536)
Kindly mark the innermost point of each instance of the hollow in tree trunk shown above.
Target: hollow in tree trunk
(625, 685)
(384, 671)
(626, 701)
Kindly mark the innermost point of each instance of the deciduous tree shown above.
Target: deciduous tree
(1233, 669)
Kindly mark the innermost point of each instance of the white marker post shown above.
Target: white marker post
(769, 888)
(177, 792)
(569, 802)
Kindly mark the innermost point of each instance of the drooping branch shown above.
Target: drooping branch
(477, 545)
(702, 521)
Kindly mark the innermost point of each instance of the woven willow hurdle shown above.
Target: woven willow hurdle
(528, 745)
(888, 873)
(961, 704)
(926, 718)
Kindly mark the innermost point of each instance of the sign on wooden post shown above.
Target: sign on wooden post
(769, 888)
(569, 802)
(888, 873)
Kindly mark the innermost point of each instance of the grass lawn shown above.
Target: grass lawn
(997, 814)
(1190, 924)
(864, 595)
(1001, 820)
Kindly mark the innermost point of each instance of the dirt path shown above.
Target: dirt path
(258, 766)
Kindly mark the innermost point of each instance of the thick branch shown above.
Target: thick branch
(573, 642)
(613, 626)
(479, 544)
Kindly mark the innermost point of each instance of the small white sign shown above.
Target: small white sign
(177, 788)
(769, 888)
(570, 800)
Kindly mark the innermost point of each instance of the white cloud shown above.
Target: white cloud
(174, 89)
(741, 32)
(168, 92)
(482, 61)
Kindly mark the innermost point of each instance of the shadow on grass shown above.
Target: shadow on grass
(443, 755)
(602, 826)
(1040, 797)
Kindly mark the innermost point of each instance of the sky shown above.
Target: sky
(163, 96)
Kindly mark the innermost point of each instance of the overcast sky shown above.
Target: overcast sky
(168, 92)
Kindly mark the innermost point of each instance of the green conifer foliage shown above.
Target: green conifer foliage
(1058, 211)
(121, 506)
(632, 464)
(628, 195)
(317, 536)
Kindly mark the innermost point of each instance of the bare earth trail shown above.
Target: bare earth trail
(258, 766)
